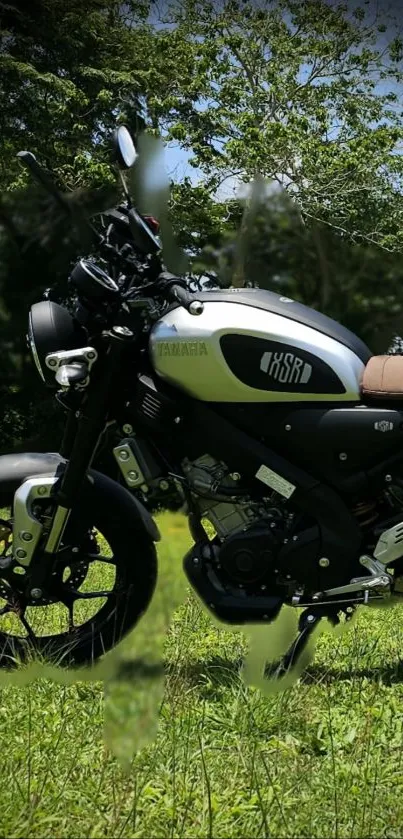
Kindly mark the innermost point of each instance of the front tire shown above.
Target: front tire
(134, 558)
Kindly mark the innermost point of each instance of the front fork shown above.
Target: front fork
(88, 424)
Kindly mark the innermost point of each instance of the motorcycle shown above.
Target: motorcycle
(264, 418)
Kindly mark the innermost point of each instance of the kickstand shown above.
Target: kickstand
(306, 624)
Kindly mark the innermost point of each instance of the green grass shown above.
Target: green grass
(320, 759)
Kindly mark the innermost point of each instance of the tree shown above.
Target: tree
(358, 284)
(270, 89)
(67, 78)
(291, 91)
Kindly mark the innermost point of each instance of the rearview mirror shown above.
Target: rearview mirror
(125, 150)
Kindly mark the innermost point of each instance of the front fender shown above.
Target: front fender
(14, 468)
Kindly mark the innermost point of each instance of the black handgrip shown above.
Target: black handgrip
(180, 295)
(174, 290)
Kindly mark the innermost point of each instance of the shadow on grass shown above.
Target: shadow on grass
(211, 676)
(221, 673)
(218, 672)
(389, 674)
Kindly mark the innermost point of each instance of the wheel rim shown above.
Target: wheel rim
(84, 592)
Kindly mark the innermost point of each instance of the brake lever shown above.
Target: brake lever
(145, 303)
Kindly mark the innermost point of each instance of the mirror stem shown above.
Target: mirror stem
(125, 189)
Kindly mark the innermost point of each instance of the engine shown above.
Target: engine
(248, 534)
(264, 546)
(217, 496)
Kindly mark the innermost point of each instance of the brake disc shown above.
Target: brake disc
(78, 573)
(10, 588)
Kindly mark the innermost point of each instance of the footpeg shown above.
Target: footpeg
(378, 581)
(381, 584)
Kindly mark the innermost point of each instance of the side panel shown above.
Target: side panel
(235, 353)
(337, 444)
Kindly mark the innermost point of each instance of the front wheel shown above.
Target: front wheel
(100, 585)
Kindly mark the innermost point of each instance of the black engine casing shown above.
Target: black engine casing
(264, 556)
(250, 557)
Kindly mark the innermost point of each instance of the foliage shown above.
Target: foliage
(357, 284)
(39, 244)
(67, 79)
(301, 93)
(298, 93)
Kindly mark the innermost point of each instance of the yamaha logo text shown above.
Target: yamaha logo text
(181, 348)
(285, 367)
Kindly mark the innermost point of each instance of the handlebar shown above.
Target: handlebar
(175, 290)
(180, 295)
(30, 162)
(42, 177)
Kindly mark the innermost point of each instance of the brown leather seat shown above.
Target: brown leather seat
(383, 377)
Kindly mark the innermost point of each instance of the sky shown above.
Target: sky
(177, 163)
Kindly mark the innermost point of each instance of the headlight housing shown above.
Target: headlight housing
(52, 328)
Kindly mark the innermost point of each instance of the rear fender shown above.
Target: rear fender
(14, 468)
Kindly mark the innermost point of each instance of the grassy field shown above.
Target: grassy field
(322, 758)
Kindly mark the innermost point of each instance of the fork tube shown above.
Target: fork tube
(69, 435)
(90, 426)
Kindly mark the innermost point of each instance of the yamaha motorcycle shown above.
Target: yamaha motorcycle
(274, 426)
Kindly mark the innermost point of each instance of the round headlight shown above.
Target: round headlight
(32, 347)
(52, 328)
